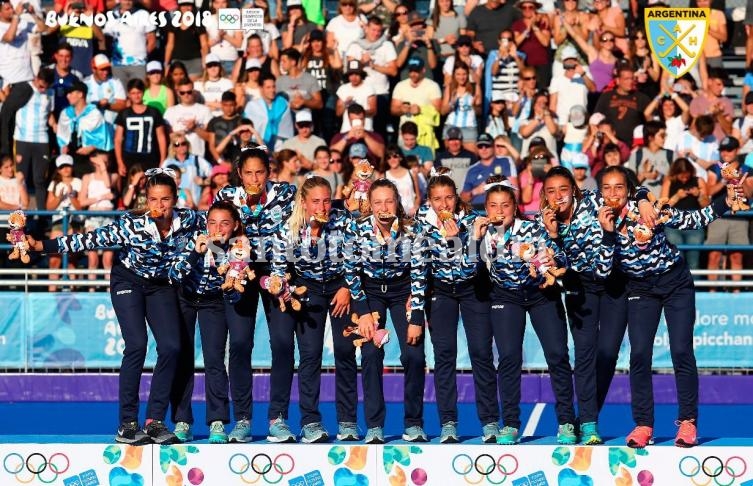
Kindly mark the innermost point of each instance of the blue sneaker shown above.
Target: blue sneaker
(314, 433)
(241, 432)
(508, 436)
(183, 432)
(347, 431)
(449, 434)
(566, 434)
(217, 434)
(489, 433)
(415, 434)
(374, 435)
(589, 434)
(279, 431)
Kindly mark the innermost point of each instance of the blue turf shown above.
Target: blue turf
(100, 419)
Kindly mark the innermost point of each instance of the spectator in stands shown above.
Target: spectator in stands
(300, 87)
(582, 174)
(289, 168)
(326, 66)
(98, 193)
(189, 117)
(716, 35)
(601, 60)
(609, 20)
(673, 111)
(271, 114)
(486, 21)
(541, 123)
(503, 148)
(575, 19)
(574, 134)
(31, 135)
(305, 142)
(176, 72)
(358, 134)
(134, 196)
(324, 168)
(82, 129)
(416, 44)
(651, 162)
(570, 88)
(408, 142)
(455, 157)
(742, 128)
(379, 60)
(418, 99)
(187, 43)
(255, 50)
(248, 88)
(687, 192)
(503, 67)
(243, 137)
(64, 76)
(463, 53)
(400, 26)
(195, 170)
(105, 91)
(699, 145)
(533, 35)
(533, 168)
(446, 25)
(645, 65)
(500, 118)
(345, 27)
(221, 125)
(157, 95)
(13, 193)
(395, 168)
(82, 39)
(623, 106)
(521, 108)
(358, 92)
(268, 36)
(711, 101)
(461, 103)
(612, 158)
(15, 64)
(296, 27)
(602, 133)
(218, 180)
(488, 164)
(212, 84)
(133, 41)
(140, 136)
(62, 194)
(224, 44)
(728, 230)
(184, 197)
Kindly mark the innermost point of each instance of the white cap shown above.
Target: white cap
(596, 118)
(569, 52)
(63, 159)
(100, 61)
(304, 116)
(212, 58)
(153, 66)
(253, 63)
(295, 3)
(577, 115)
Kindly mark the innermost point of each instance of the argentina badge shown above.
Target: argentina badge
(676, 36)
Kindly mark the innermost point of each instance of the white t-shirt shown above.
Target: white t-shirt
(269, 34)
(745, 124)
(422, 95)
(675, 129)
(223, 49)
(177, 115)
(570, 92)
(129, 39)
(382, 56)
(360, 95)
(346, 32)
(15, 56)
(212, 91)
(476, 62)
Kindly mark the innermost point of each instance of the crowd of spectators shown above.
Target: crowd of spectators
(482, 88)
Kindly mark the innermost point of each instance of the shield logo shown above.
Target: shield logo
(676, 36)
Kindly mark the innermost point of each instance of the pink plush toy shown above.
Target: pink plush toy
(17, 236)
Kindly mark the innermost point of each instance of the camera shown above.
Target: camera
(26, 6)
(420, 32)
(537, 166)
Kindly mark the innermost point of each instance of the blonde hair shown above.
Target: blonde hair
(174, 137)
(298, 217)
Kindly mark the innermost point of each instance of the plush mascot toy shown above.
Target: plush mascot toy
(237, 269)
(17, 237)
(381, 336)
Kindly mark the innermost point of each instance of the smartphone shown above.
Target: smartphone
(537, 168)
(357, 123)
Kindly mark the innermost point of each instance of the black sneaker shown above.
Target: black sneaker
(160, 434)
(129, 433)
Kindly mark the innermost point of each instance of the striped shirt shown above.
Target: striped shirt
(31, 119)
(463, 114)
(110, 90)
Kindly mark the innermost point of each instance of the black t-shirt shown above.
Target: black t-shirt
(624, 111)
(221, 126)
(187, 45)
(140, 130)
(487, 23)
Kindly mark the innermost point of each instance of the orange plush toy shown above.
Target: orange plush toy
(381, 336)
(357, 192)
(17, 236)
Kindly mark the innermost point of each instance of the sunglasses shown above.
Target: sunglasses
(607, 39)
(569, 67)
(539, 157)
(401, 13)
(305, 124)
(499, 146)
(213, 64)
(483, 145)
(183, 93)
(180, 144)
(335, 161)
(393, 156)
(528, 78)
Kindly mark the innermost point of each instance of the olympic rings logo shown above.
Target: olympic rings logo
(262, 466)
(229, 18)
(474, 471)
(36, 465)
(712, 467)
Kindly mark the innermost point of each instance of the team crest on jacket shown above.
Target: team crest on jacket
(676, 36)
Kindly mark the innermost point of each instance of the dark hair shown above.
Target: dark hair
(382, 183)
(356, 109)
(321, 148)
(409, 128)
(229, 96)
(175, 65)
(501, 188)
(442, 179)
(611, 147)
(717, 73)
(162, 180)
(651, 128)
(560, 171)
(230, 208)
(679, 166)
(391, 149)
(619, 169)
(64, 46)
(704, 125)
(253, 153)
(184, 82)
(47, 76)
(292, 54)
(266, 77)
(373, 19)
(135, 83)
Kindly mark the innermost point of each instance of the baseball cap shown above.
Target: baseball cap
(357, 150)
(484, 139)
(219, 169)
(578, 115)
(77, 86)
(638, 136)
(253, 63)
(100, 61)
(295, 4)
(153, 67)
(63, 159)
(454, 133)
(316, 34)
(596, 118)
(579, 160)
(537, 141)
(186, 2)
(303, 116)
(749, 97)
(211, 58)
(415, 64)
(569, 52)
(729, 143)
(355, 66)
